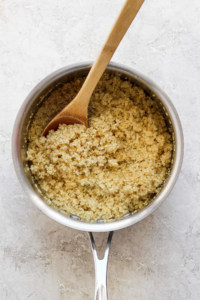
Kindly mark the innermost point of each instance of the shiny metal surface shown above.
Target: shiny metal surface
(19, 146)
(100, 269)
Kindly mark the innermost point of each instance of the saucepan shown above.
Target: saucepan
(19, 148)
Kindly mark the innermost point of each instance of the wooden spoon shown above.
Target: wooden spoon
(77, 110)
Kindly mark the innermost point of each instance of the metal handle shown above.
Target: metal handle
(100, 269)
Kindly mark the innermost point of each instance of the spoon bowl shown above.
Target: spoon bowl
(63, 119)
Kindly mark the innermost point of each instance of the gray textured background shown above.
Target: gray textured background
(155, 259)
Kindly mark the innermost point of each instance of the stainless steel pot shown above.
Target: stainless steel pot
(19, 146)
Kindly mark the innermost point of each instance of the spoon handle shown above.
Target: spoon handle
(124, 20)
(100, 269)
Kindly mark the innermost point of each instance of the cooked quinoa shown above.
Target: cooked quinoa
(113, 167)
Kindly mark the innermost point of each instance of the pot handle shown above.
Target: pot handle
(100, 269)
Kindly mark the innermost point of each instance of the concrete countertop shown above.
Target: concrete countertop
(159, 258)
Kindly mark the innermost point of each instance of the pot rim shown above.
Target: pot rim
(114, 225)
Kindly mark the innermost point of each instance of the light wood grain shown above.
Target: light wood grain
(77, 110)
